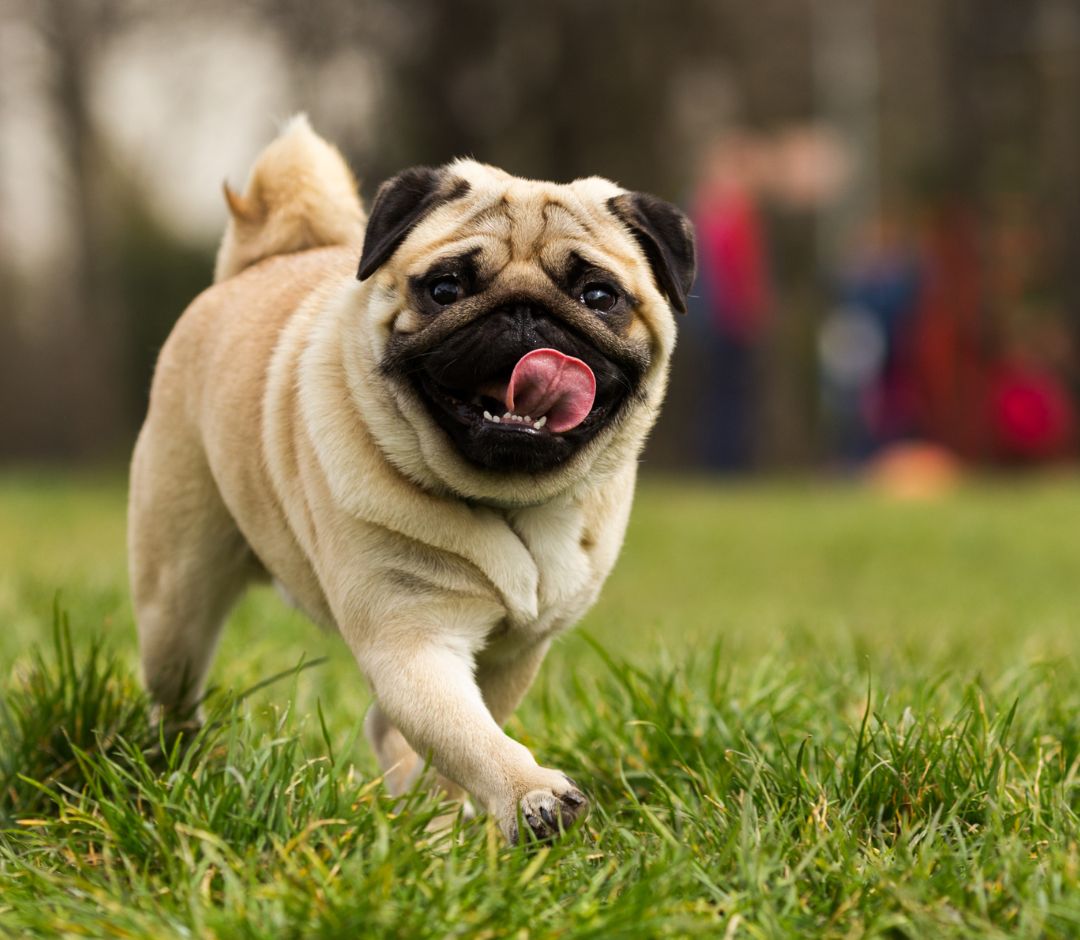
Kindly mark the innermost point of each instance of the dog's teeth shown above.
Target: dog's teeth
(496, 418)
(507, 416)
(527, 419)
(539, 424)
(487, 415)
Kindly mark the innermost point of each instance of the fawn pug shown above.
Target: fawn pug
(423, 423)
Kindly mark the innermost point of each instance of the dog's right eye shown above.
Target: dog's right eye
(446, 289)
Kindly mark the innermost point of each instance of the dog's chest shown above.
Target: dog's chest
(553, 536)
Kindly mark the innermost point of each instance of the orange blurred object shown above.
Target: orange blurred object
(914, 470)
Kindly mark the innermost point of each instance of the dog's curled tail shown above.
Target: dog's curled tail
(300, 194)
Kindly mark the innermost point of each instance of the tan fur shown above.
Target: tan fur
(275, 443)
(300, 194)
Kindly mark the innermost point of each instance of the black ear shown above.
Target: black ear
(400, 205)
(667, 238)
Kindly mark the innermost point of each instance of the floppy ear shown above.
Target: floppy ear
(400, 205)
(667, 238)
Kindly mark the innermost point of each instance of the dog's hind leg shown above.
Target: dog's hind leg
(188, 564)
(400, 764)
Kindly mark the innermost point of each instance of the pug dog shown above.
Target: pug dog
(424, 426)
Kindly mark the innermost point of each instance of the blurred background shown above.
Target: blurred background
(887, 197)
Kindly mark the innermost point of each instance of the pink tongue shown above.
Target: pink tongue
(547, 382)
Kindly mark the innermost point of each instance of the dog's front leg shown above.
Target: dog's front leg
(426, 688)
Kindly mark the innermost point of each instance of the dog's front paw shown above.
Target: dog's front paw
(547, 811)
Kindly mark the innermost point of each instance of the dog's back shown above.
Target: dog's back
(300, 194)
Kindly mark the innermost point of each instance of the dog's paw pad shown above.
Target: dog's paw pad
(548, 815)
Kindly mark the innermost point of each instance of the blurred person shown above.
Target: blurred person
(949, 361)
(864, 344)
(1032, 411)
(985, 373)
(810, 166)
(734, 294)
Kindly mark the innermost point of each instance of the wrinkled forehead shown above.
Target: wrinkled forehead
(503, 219)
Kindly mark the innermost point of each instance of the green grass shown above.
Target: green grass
(800, 711)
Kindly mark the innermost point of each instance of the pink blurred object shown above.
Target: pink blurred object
(1032, 413)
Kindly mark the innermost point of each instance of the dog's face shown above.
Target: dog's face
(523, 327)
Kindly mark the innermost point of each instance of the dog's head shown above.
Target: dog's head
(523, 327)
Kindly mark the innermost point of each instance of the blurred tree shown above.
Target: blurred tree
(977, 96)
(84, 348)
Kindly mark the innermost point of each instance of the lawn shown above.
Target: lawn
(801, 710)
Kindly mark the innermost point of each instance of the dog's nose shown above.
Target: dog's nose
(523, 309)
(517, 321)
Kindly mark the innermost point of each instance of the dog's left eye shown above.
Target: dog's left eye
(600, 297)
(446, 289)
